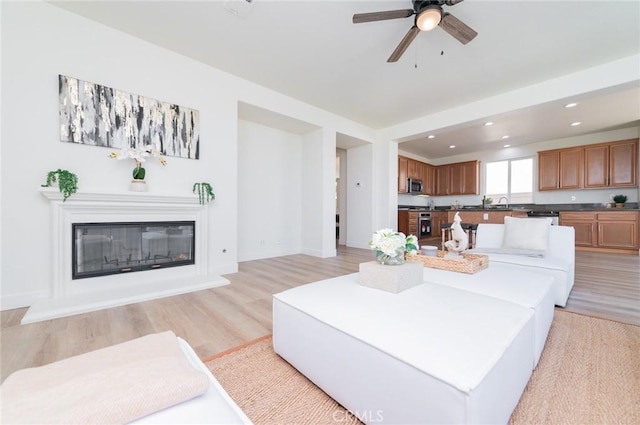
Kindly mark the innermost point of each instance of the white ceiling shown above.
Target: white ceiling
(311, 51)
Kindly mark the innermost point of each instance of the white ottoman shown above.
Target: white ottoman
(430, 354)
(509, 283)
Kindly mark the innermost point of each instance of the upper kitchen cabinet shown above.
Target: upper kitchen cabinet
(461, 178)
(411, 169)
(623, 163)
(442, 180)
(611, 164)
(403, 164)
(560, 169)
(428, 173)
(414, 169)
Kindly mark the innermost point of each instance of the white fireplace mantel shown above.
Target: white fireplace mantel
(69, 296)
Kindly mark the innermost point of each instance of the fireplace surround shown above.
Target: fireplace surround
(68, 296)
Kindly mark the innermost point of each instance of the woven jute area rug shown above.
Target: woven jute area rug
(589, 373)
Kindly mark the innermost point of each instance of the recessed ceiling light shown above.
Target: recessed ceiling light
(506, 136)
(506, 146)
(570, 105)
(452, 146)
(488, 123)
(575, 124)
(431, 136)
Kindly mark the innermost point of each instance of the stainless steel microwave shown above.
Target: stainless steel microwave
(414, 186)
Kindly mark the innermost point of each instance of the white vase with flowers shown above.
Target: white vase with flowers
(139, 155)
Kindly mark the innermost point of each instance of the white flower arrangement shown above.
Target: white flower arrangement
(139, 156)
(392, 247)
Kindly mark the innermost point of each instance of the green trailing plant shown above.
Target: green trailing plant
(620, 199)
(67, 182)
(204, 191)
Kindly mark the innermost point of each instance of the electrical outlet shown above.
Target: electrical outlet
(573, 198)
(262, 243)
(485, 216)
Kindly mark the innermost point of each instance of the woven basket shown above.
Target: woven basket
(471, 263)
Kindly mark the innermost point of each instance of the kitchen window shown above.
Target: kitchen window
(512, 179)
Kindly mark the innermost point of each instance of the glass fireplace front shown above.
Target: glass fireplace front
(101, 249)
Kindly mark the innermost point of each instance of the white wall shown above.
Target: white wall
(269, 191)
(40, 41)
(318, 193)
(360, 196)
(342, 195)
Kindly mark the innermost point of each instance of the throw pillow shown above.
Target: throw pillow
(526, 233)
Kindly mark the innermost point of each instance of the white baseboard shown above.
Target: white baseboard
(49, 308)
(10, 302)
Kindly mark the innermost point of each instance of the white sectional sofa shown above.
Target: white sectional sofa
(558, 260)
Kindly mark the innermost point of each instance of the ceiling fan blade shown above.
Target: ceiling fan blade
(359, 18)
(408, 38)
(458, 29)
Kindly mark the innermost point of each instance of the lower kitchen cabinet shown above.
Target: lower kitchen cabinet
(618, 230)
(604, 230)
(585, 226)
(408, 222)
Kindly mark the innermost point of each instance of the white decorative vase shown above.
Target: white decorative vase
(138, 186)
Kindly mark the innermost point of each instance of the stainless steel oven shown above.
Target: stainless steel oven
(424, 225)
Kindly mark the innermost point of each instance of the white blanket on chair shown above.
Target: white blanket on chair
(116, 384)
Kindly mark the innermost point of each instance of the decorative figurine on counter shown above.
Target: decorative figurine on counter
(459, 239)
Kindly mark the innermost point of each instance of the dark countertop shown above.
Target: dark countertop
(629, 206)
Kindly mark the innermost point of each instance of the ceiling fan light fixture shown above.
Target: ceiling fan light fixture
(429, 17)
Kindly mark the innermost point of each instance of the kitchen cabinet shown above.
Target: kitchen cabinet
(623, 163)
(461, 178)
(408, 222)
(616, 230)
(428, 173)
(442, 180)
(611, 164)
(560, 169)
(403, 164)
(585, 226)
(470, 177)
(413, 169)
(596, 166)
(476, 217)
(438, 218)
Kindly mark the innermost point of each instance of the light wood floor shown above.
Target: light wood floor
(607, 285)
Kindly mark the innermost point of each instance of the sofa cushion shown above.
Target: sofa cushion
(530, 234)
(550, 263)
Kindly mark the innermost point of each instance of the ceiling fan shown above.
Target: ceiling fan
(429, 14)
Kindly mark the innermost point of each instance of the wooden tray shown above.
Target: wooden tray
(471, 263)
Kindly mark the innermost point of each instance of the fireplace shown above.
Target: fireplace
(165, 226)
(101, 249)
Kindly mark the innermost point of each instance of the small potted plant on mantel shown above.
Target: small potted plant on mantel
(620, 200)
(66, 181)
(204, 191)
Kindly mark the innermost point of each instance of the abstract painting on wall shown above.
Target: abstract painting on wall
(92, 114)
